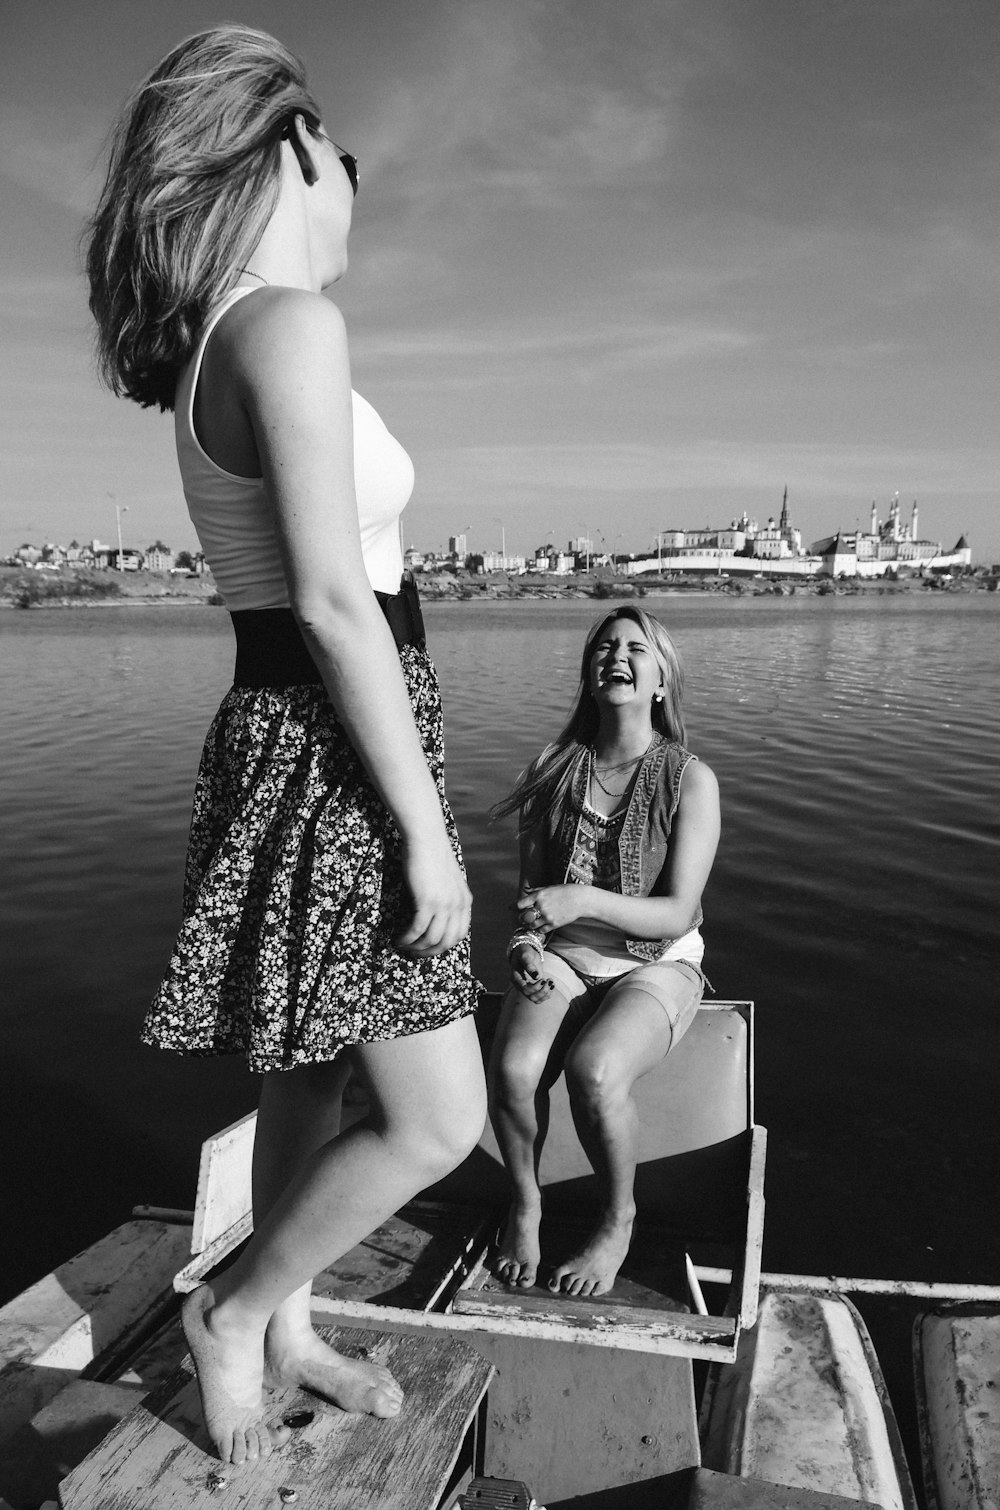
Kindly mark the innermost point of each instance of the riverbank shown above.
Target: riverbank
(69, 588)
(66, 588)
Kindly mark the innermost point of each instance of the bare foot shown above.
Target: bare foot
(518, 1253)
(304, 1361)
(594, 1269)
(230, 1380)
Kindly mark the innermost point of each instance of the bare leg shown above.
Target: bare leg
(300, 1112)
(428, 1107)
(526, 1061)
(625, 1039)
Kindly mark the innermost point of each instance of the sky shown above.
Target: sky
(615, 267)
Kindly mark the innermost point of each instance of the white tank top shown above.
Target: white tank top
(234, 519)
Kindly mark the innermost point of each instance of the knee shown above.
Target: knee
(515, 1075)
(448, 1135)
(594, 1079)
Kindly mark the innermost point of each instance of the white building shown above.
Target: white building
(886, 546)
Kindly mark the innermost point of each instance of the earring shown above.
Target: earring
(658, 695)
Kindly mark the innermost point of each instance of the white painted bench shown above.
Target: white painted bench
(55, 1330)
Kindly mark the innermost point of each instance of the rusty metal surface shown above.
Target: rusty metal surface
(957, 1375)
(805, 1405)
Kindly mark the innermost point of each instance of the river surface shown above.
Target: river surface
(855, 899)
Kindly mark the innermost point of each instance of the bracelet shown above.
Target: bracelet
(525, 936)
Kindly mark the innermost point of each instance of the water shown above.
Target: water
(854, 899)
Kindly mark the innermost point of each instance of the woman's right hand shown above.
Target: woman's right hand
(526, 972)
(442, 901)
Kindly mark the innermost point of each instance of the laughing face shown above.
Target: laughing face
(623, 665)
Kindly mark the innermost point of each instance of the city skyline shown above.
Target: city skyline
(496, 543)
(649, 265)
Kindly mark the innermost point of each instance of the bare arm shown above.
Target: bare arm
(694, 840)
(526, 963)
(293, 377)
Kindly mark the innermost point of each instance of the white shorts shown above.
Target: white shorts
(677, 984)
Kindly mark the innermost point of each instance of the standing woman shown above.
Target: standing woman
(326, 912)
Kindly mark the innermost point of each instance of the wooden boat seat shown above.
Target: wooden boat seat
(157, 1456)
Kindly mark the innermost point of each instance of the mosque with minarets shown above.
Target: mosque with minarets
(886, 545)
(744, 547)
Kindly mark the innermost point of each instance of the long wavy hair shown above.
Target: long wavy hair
(192, 181)
(545, 782)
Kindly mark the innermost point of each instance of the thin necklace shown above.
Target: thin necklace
(251, 274)
(621, 764)
(607, 790)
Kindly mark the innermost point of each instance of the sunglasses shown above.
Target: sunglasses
(350, 163)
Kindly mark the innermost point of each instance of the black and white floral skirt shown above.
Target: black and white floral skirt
(294, 891)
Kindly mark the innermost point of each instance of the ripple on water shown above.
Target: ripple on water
(855, 895)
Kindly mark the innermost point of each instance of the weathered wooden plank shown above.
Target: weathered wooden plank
(208, 1258)
(55, 1329)
(334, 1462)
(36, 1457)
(805, 1405)
(581, 1319)
(712, 1338)
(957, 1370)
(223, 1197)
(747, 1284)
(649, 1300)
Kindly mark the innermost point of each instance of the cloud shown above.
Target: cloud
(519, 102)
(622, 344)
(59, 166)
(848, 471)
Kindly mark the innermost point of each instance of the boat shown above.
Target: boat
(647, 1395)
(956, 1355)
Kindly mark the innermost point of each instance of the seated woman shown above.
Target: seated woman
(619, 825)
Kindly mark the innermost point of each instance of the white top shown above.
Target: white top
(234, 519)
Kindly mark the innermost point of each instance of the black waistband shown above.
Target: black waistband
(270, 650)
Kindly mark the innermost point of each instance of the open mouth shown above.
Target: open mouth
(615, 678)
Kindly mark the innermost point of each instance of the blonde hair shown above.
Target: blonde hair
(546, 780)
(192, 181)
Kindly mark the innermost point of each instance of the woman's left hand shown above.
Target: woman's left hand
(542, 908)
